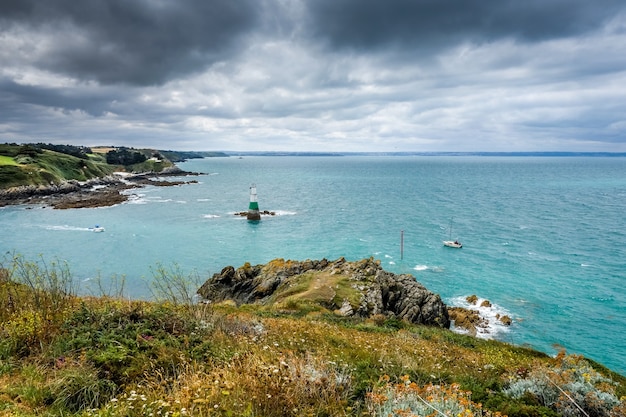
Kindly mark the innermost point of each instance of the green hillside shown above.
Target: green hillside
(29, 165)
(43, 165)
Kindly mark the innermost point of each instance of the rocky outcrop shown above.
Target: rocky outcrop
(378, 292)
(263, 213)
(65, 193)
(468, 320)
(471, 320)
(96, 192)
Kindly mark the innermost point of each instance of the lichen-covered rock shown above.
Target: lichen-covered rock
(379, 292)
(467, 319)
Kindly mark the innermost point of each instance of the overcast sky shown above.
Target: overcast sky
(316, 75)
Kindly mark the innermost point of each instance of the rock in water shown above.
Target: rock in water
(377, 291)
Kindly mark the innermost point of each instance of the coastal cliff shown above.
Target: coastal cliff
(361, 289)
(64, 176)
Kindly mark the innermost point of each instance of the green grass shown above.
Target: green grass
(7, 160)
(46, 167)
(109, 356)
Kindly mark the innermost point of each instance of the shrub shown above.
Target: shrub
(34, 300)
(80, 388)
(289, 385)
(572, 388)
(407, 399)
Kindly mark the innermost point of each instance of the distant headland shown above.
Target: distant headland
(67, 176)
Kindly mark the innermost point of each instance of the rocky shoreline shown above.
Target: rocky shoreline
(97, 192)
(380, 293)
(368, 290)
(471, 321)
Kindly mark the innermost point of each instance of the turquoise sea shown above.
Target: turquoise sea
(544, 237)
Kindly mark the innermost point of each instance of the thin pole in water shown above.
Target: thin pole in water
(401, 244)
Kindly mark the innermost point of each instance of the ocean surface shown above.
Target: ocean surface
(544, 238)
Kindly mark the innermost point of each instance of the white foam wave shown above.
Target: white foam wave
(211, 216)
(420, 267)
(135, 198)
(284, 213)
(66, 227)
(137, 201)
(491, 313)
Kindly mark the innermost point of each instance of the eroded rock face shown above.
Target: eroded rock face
(409, 300)
(96, 192)
(381, 292)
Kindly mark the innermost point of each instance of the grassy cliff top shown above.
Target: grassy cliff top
(23, 165)
(46, 164)
(108, 356)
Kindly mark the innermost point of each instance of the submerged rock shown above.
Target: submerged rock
(360, 288)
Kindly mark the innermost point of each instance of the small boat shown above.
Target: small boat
(452, 243)
(96, 229)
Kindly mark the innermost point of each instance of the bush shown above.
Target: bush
(34, 299)
(11, 176)
(572, 388)
(123, 156)
(407, 399)
(80, 388)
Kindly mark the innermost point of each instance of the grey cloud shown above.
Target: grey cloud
(134, 42)
(434, 24)
(93, 103)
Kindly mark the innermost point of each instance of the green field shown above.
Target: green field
(7, 160)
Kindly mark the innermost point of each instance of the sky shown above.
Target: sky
(316, 75)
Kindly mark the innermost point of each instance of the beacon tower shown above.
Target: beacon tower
(253, 208)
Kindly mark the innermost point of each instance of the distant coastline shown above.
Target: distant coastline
(512, 154)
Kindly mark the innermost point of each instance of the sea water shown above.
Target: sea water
(544, 238)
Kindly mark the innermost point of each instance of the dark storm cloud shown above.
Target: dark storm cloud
(136, 42)
(316, 74)
(94, 104)
(434, 24)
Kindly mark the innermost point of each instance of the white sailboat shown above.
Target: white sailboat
(452, 243)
